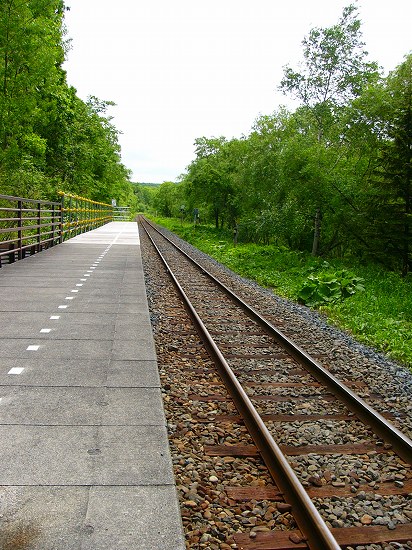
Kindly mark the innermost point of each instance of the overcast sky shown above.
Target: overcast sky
(183, 69)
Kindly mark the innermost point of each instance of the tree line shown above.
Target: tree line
(333, 176)
(50, 139)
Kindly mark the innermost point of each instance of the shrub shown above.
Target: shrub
(329, 287)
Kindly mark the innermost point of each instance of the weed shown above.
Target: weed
(329, 288)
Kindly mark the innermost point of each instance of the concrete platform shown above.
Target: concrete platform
(85, 462)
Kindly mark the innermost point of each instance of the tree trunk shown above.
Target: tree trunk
(316, 235)
(405, 252)
(406, 230)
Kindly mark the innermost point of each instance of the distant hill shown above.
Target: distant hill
(146, 184)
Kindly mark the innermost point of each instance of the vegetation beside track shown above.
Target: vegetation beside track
(379, 316)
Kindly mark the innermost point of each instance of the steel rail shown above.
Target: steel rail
(380, 425)
(311, 524)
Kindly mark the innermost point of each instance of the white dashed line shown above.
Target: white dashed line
(74, 291)
(62, 307)
(54, 317)
(79, 284)
(16, 370)
(45, 330)
(32, 348)
(69, 298)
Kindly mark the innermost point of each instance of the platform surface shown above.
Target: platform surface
(85, 462)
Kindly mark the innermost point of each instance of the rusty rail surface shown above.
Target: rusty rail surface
(28, 226)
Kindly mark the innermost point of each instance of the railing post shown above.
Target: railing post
(76, 216)
(53, 217)
(12, 257)
(38, 227)
(70, 216)
(61, 219)
(20, 231)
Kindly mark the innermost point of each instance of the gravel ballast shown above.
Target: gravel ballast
(210, 518)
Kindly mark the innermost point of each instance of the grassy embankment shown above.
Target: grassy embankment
(380, 315)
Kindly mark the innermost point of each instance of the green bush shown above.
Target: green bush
(329, 288)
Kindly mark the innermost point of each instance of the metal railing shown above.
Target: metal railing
(121, 213)
(28, 226)
(80, 214)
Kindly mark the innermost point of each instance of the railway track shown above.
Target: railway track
(324, 446)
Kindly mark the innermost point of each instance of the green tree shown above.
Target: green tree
(49, 138)
(334, 70)
(391, 193)
(260, 193)
(144, 196)
(168, 199)
(31, 54)
(333, 73)
(209, 179)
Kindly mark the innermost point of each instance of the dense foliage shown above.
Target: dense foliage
(49, 138)
(144, 194)
(332, 177)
